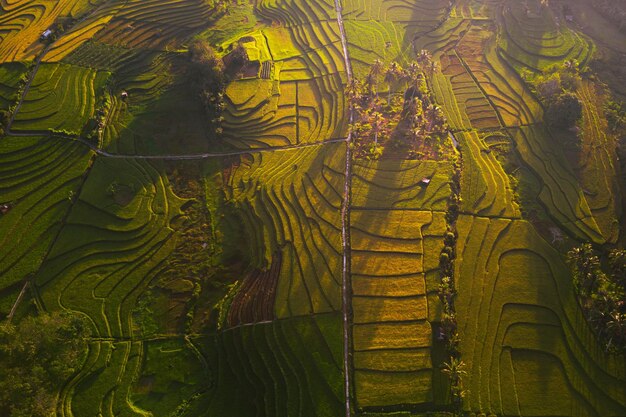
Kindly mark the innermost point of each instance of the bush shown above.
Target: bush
(564, 111)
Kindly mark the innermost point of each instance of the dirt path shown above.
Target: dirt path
(345, 234)
(177, 157)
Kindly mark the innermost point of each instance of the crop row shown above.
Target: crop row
(288, 203)
(11, 76)
(61, 97)
(536, 39)
(524, 339)
(288, 368)
(560, 191)
(397, 227)
(118, 232)
(598, 162)
(485, 187)
(37, 179)
(156, 24)
(393, 184)
(303, 102)
(22, 23)
(506, 91)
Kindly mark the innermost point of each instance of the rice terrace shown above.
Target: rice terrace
(312, 208)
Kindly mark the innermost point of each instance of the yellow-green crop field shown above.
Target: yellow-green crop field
(182, 176)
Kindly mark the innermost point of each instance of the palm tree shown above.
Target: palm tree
(377, 121)
(393, 73)
(424, 59)
(376, 71)
(353, 91)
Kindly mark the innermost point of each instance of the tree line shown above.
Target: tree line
(408, 121)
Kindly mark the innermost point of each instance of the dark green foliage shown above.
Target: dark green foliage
(36, 357)
(564, 111)
(616, 116)
(602, 294)
(206, 72)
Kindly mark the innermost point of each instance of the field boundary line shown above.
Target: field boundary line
(346, 284)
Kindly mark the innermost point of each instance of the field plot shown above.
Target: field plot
(535, 38)
(289, 368)
(156, 24)
(290, 203)
(560, 192)
(37, 179)
(393, 184)
(461, 92)
(527, 345)
(82, 32)
(598, 164)
(298, 95)
(105, 382)
(61, 97)
(499, 82)
(22, 23)
(475, 9)
(485, 187)
(119, 230)
(397, 228)
(385, 29)
(11, 76)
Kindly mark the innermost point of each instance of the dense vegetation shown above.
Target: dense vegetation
(37, 356)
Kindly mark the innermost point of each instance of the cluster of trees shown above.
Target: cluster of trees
(410, 119)
(448, 333)
(602, 293)
(556, 87)
(37, 356)
(208, 76)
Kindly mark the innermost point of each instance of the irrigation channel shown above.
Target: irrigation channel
(345, 206)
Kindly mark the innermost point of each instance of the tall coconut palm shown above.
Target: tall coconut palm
(392, 74)
(354, 93)
(376, 71)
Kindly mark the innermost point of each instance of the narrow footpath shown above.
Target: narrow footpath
(346, 286)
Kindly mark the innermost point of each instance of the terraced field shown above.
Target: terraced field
(485, 187)
(23, 22)
(536, 38)
(61, 97)
(397, 227)
(262, 270)
(300, 97)
(528, 348)
(39, 177)
(11, 76)
(290, 205)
